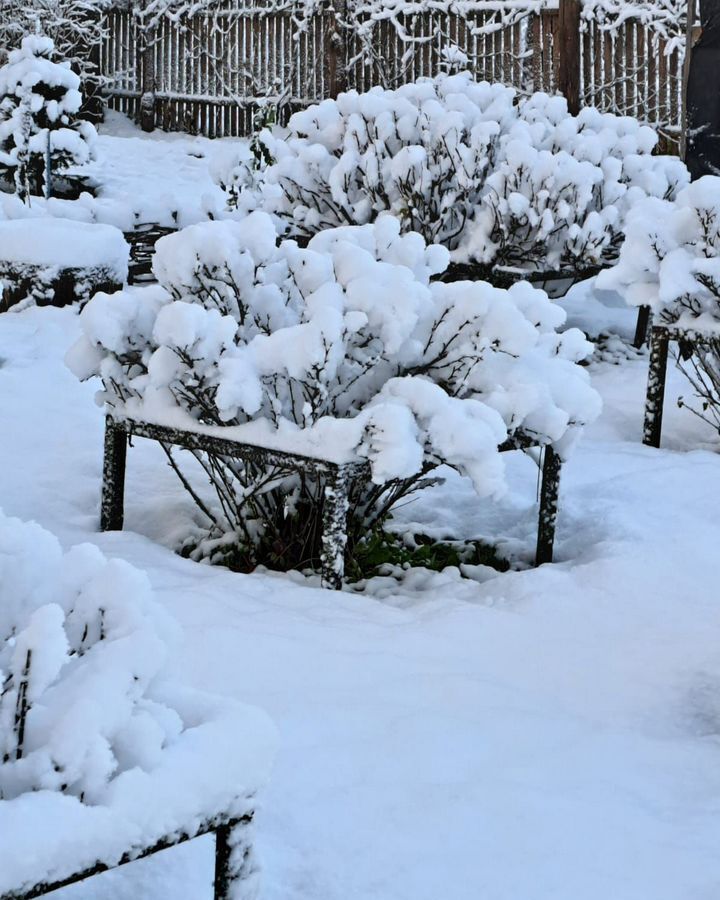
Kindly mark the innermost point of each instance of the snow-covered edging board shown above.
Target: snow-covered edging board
(230, 845)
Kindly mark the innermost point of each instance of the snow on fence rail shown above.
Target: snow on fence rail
(207, 71)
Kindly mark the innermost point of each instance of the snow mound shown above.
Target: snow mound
(99, 753)
(66, 244)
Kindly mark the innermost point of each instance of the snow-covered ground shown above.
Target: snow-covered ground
(549, 733)
(139, 178)
(546, 734)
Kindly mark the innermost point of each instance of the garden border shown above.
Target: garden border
(660, 337)
(501, 276)
(119, 431)
(142, 239)
(222, 826)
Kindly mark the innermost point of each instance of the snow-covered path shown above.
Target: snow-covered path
(551, 733)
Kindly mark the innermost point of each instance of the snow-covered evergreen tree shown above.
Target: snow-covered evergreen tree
(76, 27)
(40, 134)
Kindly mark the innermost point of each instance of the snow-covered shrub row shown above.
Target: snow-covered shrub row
(39, 100)
(494, 178)
(343, 350)
(92, 735)
(670, 261)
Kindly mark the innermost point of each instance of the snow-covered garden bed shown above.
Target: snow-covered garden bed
(102, 757)
(344, 351)
(51, 260)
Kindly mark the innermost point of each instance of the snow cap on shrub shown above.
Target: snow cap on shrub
(100, 754)
(494, 178)
(670, 260)
(344, 350)
(85, 705)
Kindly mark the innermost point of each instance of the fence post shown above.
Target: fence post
(147, 83)
(336, 52)
(568, 47)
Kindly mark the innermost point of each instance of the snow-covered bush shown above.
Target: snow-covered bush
(670, 261)
(344, 350)
(81, 645)
(40, 135)
(92, 735)
(495, 179)
(76, 27)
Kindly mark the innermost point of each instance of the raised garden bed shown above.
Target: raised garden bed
(555, 283)
(52, 261)
(337, 479)
(231, 849)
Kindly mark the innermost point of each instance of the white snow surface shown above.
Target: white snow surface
(547, 734)
(141, 179)
(64, 243)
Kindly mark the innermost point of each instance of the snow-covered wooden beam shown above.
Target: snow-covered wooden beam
(568, 39)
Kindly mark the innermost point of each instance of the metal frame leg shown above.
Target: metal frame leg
(642, 326)
(223, 872)
(549, 491)
(236, 871)
(112, 500)
(334, 533)
(655, 397)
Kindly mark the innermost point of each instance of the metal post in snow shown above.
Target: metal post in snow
(48, 166)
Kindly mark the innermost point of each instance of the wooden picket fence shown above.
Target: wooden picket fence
(207, 74)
